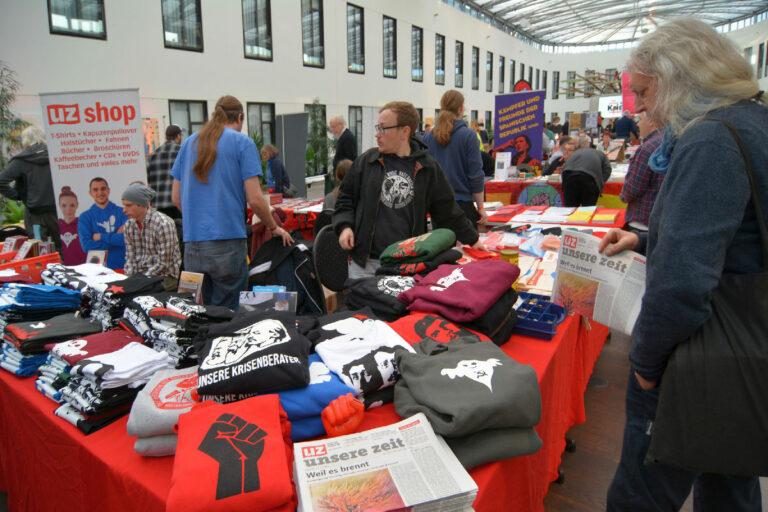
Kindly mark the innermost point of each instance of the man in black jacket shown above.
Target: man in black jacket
(346, 145)
(386, 195)
(28, 179)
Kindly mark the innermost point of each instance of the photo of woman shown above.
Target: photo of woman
(71, 251)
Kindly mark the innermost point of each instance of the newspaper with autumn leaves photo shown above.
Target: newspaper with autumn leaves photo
(403, 466)
(607, 289)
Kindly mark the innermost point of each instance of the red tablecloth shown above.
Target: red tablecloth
(47, 464)
(508, 191)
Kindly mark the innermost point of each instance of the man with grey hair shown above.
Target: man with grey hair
(27, 178)
(626, 125)
(346, 145)
(151, 240)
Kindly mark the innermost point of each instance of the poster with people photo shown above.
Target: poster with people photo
(96, 149)
(519, 128)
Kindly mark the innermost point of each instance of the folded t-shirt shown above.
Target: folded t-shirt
(167, 395)
(77, 349)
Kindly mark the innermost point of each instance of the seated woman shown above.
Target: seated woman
(277, 178)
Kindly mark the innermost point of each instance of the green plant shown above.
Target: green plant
(318, 143)
(10, 125)
(259, 141)
(11, 212)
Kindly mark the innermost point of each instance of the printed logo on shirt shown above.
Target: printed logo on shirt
(395, 285)
(228, 350)
(68, 238)
(71, 348)
(439, 329)
(446, 282)
(408, 247)
(39, 325)
(397, 190)
(175, 392)
(318, 373)
(108, 225)
(478, 371)
(373, 371)
(237, 446)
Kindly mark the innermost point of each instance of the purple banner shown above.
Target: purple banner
(519, 126)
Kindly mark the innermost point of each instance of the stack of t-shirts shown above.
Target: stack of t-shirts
(233, 457)
(21, 298)
(80, 277)
(107, 307)
(17, 363)
(54, 374)
(478, 293)
(103, 387)
(156, 410)
(380, 294)
(361, 349)
(304, 406)
(482, 401)
(32, 337)
(416, 326)
(254, 354)
(419, 254)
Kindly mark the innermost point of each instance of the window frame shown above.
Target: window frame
(321, 65)
(358, 130)
(458, 68)
(571, 81)
(261, 104)
(55, 32)
(556, 84)
(544, 78)
(512, 75)
(415, 29)
(201, 49)
(384, 46)
(188, 129)
(362, 38)
(502, 73)
(489, 65)
(475, 57)
(269, 29)
(440, 60)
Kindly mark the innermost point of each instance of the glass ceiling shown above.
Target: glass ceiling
(599, 22)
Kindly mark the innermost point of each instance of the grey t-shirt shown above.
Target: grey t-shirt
(396, 209)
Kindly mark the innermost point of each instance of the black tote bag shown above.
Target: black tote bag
(712, 415)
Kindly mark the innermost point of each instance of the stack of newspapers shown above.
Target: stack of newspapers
(400, 466)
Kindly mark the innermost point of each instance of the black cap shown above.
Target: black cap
(172, 131)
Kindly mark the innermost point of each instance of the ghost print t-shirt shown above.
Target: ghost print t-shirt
(396, 209)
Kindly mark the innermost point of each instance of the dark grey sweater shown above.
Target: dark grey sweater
(700, 227)
(589, 161)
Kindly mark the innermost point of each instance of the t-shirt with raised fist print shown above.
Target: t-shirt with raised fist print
(395, 218)
(233, 457)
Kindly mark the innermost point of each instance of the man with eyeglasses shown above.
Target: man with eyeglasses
(387, 194)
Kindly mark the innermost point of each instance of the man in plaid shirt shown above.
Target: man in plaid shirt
(151, 240)
(159, 171)
(642, 184)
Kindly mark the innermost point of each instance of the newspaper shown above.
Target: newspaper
(388, 468)
(607, 289)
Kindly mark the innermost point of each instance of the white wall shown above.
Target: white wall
(134, 55)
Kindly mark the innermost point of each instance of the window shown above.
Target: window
(765, 72)
(355, 39)
(257, 29)
(530, 75)
(760, 58)
(502, 63)
(475, 68)
(417, 54)
(312, 41)
(473, 116)
(390, 47)
(613, 81)
(459, 77)
(317, 139)
(83, 18)
(421, 119)
(439, 59)
(437, 115)
(261, 120)
(183, 24)
(555, 85)
(488, 72)
(589, 83)
(522, 71)
(544, 83)
(489, 122)
(356, 126)
(512, 72)
(570, 85)
(190, 115)
(553, 115)
(538, 79)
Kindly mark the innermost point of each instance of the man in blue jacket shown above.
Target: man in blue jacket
(101, 226)
(626, 125)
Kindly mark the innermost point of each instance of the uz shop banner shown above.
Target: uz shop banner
(519, 127)
(94, 134)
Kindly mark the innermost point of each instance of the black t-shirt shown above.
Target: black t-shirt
(396, 209)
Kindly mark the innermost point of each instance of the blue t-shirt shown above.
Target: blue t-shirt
(105, 221)
(216, 210)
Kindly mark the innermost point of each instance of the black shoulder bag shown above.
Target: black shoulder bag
(713, 405)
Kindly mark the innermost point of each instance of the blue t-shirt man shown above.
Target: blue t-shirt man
(101, 226)
(216, 210)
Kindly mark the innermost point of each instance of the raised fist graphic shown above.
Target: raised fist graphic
(237, 446)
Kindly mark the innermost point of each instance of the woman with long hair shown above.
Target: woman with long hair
(277, 177)
(215, 173)
(454, 145)
(704, 238)
(71, 251)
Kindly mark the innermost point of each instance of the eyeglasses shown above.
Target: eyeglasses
(381, 129)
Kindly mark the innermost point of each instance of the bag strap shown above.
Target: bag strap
(753, 186)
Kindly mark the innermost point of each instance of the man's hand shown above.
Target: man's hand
(483, 216)
(287, 238)
(121, 228)
(479, 246)
(347, 239)
(237, 446)
(617, 240)
(96, 237)
(647, 385)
